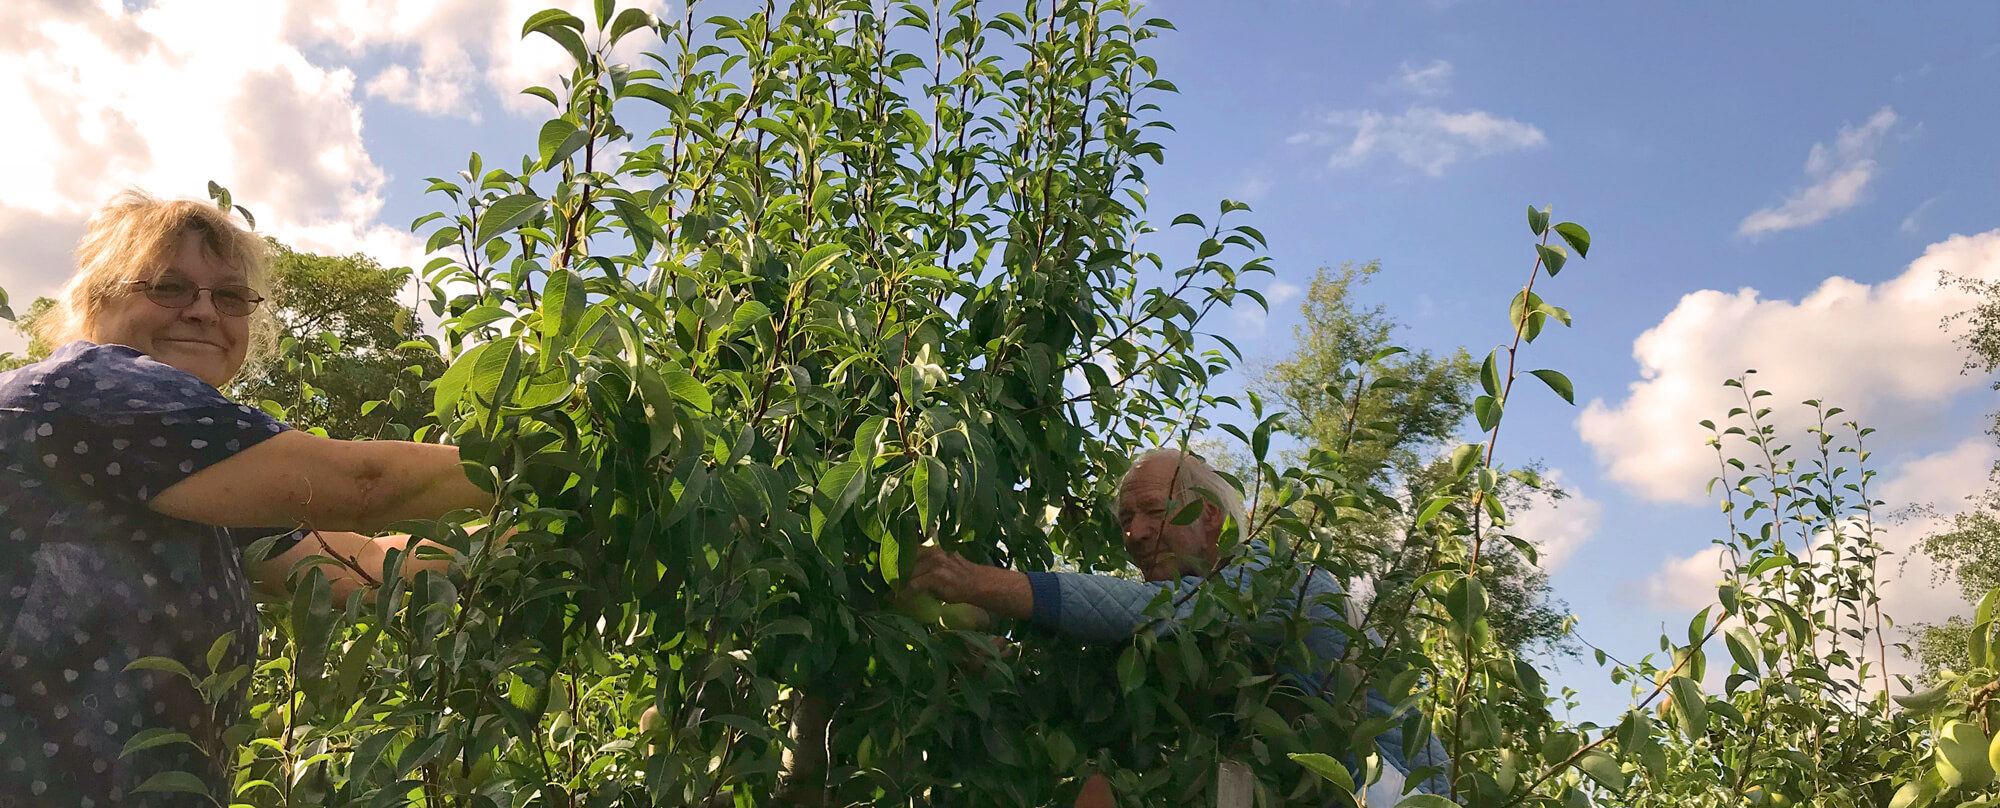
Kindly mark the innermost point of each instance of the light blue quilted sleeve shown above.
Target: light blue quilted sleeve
(1104, 609)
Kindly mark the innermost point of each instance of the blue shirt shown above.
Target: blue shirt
(1105, 609)
(91, 578)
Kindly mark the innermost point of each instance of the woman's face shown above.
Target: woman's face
(198, 339)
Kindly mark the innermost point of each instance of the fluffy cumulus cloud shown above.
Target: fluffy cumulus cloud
(167, 97)
(1687, 583)
(1424, 138)
(259, 95)
(1558, 527)
(1875, 350)
(1839, 172)
(446, 52)
(1912, 590)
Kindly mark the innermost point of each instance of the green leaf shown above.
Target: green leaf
(1553, 258)
(562, 304)
(549, 17)
(838, 488)
(553, 135)
(1131, 671)
(685, 388)
(160, 663)
(1557, 382)
(1464, 458)
(1538, 220)
(506, 214)
(1740, 643)
(603, 9)
(1432, 507)
(174, 782)
(1426, 801)
(1487, 410)
(1578, 238)
(1466, 601)
(1325, 766)
(217, 649)
(1187, 218)
(1489, 373)
(1690, 704)
(1604, 770)
(629, 20)
(553, 153)
(154, 736)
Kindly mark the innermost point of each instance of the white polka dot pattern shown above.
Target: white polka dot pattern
(92, 579)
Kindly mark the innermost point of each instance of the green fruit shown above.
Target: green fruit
(1993, 754)
(1907, 795)
(1961, 756)
(925, 608)
(922, 607)
(965, 617)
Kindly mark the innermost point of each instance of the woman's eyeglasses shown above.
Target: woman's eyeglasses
(235, 301)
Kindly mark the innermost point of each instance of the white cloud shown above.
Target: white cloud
(1251, 188)
(446, 49)
(1877, 351)
(1558, 527)
(1424, 138)
(1908, 584)
(441, 91)
(1432, 79)
(254, 94)
(1910, 222)
(1252, 318)
(1840, 175)
(1687, 584)
(1943, 480)
(168, 97)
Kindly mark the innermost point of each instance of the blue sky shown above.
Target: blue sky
(1729, 162)
(1663, 128)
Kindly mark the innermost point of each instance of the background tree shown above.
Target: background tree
(25, 323)
(341, 327)
(340, 367)
(1967, 550)
(1391, 426)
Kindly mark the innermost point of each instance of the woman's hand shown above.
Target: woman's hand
(359, 561)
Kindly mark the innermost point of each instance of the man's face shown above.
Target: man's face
(1162, 550)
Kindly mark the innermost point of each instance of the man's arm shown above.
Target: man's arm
(1092, 608)
(1001, 592)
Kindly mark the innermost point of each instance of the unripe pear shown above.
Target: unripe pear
(1993, 754)
(649, 721)
(1961, 756)
(1910, 794)
(965, 617)
(922, 607)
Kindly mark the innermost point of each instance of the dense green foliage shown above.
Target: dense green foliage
(1395, 425)
(810, 287)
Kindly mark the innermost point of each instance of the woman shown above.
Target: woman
(129, 487)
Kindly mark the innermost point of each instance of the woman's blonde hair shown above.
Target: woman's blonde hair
(132, 238)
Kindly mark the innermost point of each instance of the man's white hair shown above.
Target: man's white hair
(1191, 475)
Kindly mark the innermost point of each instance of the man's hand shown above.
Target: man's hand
(953, 579)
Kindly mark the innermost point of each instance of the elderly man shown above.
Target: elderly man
(1105, 609)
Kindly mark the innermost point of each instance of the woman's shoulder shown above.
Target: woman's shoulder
(92, 373)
